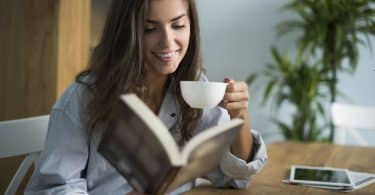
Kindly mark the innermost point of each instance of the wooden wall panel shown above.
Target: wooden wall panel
(74, 40)
(27, 57)
(43, 45)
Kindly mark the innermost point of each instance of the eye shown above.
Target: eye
(176, 26)
(149, 29)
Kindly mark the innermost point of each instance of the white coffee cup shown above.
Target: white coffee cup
(201, 94)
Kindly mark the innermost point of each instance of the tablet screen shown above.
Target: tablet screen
(331, 176)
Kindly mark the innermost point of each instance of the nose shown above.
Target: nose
(167, 37)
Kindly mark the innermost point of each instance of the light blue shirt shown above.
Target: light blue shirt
(70, 163)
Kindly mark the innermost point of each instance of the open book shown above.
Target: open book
(142, 149)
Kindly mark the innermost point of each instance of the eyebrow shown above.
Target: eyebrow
(172, 20)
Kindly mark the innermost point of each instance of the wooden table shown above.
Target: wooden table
(283, 155)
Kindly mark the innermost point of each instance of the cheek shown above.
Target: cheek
(148, 43)
(185, 38)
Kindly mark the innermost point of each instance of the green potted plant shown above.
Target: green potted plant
(335, 28)
(297, 83)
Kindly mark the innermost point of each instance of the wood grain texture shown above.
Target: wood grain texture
(43, 45)
(74, 40)
(28, 39)
(283, 155)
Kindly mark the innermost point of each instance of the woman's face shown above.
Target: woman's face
(166, 36)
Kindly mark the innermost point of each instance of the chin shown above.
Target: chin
(167, 69)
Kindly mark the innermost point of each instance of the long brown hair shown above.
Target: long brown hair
(116, 65)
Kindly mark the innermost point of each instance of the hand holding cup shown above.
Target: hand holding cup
(236, 98)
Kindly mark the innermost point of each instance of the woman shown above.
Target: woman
(147, 48)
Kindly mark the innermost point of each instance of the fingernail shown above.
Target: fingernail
(226, 79)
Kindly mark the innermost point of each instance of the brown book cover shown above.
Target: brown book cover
(141, 148)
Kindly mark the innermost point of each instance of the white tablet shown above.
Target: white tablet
(322, 176)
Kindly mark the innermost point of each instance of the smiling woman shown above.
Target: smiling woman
(166, 37)
(147, 48)
(142, 53)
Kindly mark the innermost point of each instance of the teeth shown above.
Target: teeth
(166, 55)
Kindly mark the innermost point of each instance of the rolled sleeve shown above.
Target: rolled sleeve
(235, 172)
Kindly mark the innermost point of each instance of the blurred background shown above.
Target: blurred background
(237, 38)
(44, 43)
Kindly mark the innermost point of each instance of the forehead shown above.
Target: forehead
(163, 10)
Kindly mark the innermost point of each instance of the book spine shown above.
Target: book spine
(163, 187)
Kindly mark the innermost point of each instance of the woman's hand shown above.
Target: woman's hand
(236, 99)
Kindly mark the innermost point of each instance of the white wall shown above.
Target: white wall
(236, 38)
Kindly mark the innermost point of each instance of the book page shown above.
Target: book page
(156, 126)
(136, 152)
(205, 151)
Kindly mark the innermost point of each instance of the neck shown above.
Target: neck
(156, 86)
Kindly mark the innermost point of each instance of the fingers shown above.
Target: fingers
(234, 86)
(236, 91)
(235, 105)
(237, 87)
(236, 96)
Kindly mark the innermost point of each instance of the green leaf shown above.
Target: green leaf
(289, 26)
(320, 108)
(276, 55)
(251, 79)
(269, 88)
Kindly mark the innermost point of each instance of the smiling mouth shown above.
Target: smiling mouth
(166, 56)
